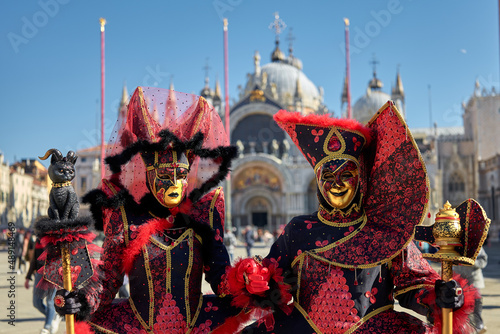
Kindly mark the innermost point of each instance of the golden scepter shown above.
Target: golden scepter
(66, 266)
(447, 231)
(459, 234)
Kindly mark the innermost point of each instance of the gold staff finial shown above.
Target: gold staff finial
(346, 21)
(102, 21)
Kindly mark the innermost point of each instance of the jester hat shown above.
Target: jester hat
(393, 179)
(164, 128)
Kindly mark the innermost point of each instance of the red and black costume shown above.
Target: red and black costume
(164, 250)
(346, 267)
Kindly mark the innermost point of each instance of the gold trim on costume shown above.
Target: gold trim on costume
(414, 287)
(306, 316)
(368, 317)
(212, 207)
(186, 278)
(187, 233)
(353, 328)
(150, 286)
(299, 275)
(354, 222)
(122, 210)
(138, 316)
(145, 113)
(168, 278)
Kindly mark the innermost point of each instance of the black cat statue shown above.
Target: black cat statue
(63, 200)
(70, 255)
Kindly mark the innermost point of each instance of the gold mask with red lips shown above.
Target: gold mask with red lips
(166, 175)
(334, 148)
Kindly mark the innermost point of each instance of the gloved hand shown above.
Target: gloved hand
(66, 302)
(449, 294)
(254, 275)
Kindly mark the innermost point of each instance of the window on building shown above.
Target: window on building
(456, 183)
(83, 184)
(83, 159)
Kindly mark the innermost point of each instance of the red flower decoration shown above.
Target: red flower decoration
(309, 224)
(321, 243)
(313, 159)
(356, 142)
(210, 307)
(371, 295)
(217, 235)
(317, 134)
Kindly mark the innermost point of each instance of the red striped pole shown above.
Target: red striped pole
(348, 69)
(102, 21)
(228, 221)
(226, 82)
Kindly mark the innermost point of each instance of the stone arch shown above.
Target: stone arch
(312, 203)
(272, 163)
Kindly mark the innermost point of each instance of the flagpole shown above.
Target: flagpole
(228, 221)
(348, 68)
(102, 21)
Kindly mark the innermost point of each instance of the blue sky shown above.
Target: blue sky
(50, 56)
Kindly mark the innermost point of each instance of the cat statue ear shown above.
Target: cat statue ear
(56, 155)
(71, 157)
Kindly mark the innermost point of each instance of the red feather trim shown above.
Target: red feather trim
(284, 116)
(235, 324)
(460, 316)
(81, 327)
(153, 226)
(67, 236)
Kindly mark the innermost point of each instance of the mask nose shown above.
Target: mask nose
(337, 182)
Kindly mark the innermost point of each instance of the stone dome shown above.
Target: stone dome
(284, 80)
(366, 106)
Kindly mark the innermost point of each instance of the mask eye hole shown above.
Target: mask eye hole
(328, 176)
(346, 176)
(164, 176)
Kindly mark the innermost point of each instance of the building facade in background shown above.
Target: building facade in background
(24, 192)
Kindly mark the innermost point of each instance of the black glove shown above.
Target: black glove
(66, 302)
(449, 294)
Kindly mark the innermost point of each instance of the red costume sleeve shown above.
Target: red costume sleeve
(110, 269)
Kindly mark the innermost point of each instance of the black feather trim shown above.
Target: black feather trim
(47, 226)
(226, 154)
(85, 309)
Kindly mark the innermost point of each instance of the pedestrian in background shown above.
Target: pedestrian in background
(249, 239)
(19, 246)
(52, 320)
(230, 243)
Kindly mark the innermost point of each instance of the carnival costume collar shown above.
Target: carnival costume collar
(395, 198)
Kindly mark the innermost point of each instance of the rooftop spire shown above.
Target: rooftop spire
(290, 38)
(278, 25)
(375, 83)
(398, 89)
(122, 109)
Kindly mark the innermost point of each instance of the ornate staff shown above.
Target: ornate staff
(64, 235)
(446, 231)
(459, 234)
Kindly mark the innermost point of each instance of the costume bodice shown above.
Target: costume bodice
(165, 280)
